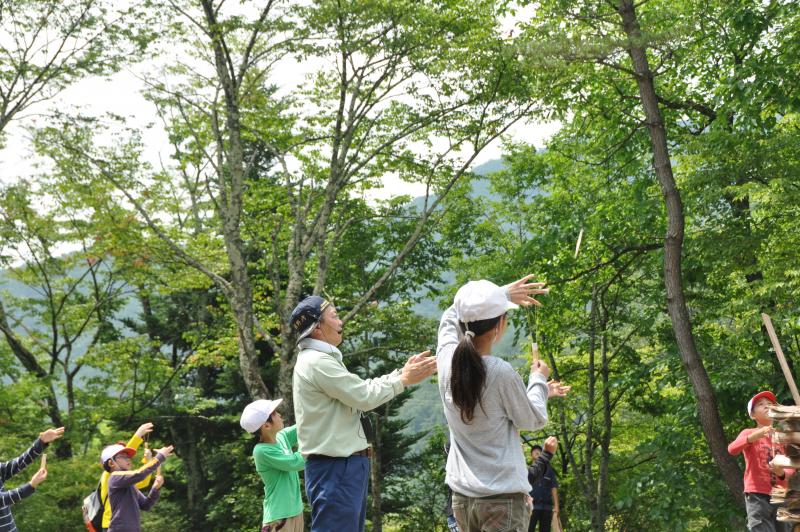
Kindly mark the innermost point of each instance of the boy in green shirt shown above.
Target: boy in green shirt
(278, 463)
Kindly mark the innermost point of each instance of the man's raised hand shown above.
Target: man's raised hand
(418, 368)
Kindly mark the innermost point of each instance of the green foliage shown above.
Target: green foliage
(120, 329)
(425, 489)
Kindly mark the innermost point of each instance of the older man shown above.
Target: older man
(328, 402)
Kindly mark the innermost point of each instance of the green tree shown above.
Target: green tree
(656, 68)
(403, 76)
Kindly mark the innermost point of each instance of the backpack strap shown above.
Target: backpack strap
(99, 491)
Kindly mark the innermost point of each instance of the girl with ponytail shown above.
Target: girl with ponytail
(486, 404)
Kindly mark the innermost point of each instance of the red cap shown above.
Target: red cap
(765, 394)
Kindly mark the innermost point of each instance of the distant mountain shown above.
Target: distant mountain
(489, 167)
(480, 187)
(425, 407)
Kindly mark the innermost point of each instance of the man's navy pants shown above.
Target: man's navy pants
(337, 492)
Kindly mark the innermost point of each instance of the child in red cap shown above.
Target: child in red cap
(759, 474)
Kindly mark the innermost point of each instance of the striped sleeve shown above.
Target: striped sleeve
(10, 497)
(12, 467)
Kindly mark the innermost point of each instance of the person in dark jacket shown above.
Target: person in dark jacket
(544, 492)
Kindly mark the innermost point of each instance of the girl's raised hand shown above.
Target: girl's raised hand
(521, 291)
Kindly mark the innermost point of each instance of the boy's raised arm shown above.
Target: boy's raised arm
(742, 440)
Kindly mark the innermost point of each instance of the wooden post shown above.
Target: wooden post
(782, 359)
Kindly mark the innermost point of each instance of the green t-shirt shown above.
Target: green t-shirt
(278, 466)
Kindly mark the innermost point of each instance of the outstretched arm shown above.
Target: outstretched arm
(145, 503)
(537, 470)
(449, 330)
(525, 407)
(12, 467)
(268, 457)
(121, 479)
(363, 394)
(7, 498)
(745, 438)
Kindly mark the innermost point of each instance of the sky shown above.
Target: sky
(121, 94)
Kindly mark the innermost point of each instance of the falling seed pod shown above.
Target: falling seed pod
(578, 244)
(44, 461)
(535, 351)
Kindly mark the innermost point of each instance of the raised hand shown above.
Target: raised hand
(51, 434)
(166, 451)
(539, 366)
(551, 444)
(158, 482)
(418, 368)
(520, 291)
(38, 477)
(144, 430)
(556, 389)
(759, 433)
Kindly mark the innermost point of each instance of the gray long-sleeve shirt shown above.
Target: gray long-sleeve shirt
(126, 499)
(486, 456)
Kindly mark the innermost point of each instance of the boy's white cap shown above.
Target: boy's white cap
(256, 413)
(111, 451)
(481, 300)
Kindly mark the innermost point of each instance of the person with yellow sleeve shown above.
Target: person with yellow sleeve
(134, 443)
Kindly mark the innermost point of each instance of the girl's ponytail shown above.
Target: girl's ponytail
(467, 372)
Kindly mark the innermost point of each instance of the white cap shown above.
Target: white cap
(256, 413)
(111, 451)
(481, 300)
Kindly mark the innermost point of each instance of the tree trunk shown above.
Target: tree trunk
(248, 356)
(285, 386)
(196, 483)
(375, 477)
(605, 439)
(673, 243)
(591, 489)
(230, 180)
(565, 445)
